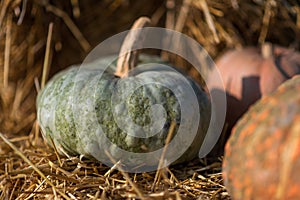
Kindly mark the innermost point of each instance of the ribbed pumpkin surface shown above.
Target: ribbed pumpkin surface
(79, 113)
(262, 156)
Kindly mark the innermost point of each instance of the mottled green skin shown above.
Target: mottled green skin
(71, 114)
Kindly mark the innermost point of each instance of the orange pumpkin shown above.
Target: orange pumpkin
(249, 74)
(262, 156)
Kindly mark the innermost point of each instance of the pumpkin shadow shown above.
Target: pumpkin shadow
(251, 92)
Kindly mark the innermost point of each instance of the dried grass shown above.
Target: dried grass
(33, 171)
(29, 168)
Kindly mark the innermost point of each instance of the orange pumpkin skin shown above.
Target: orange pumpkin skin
(248, 75)
(262, 156)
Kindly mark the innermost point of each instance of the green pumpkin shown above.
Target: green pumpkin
(85, 114)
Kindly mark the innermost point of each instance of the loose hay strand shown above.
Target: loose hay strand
(209, 20)
(182, 15)
(5, 4)
(23, 11)
(55, 150)
(135, 188)
(7, 50)
(14, 188)
(170, 17)
(47, 56)
(265, 21)
(71, 25)
(163, 154)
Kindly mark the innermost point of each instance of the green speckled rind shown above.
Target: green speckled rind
(74, 109)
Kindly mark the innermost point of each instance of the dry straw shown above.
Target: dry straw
(29, 168)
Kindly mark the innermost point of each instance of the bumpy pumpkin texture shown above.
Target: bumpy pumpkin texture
(74, 110)
(262, 156)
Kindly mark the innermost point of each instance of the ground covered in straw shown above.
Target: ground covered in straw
(31, 170)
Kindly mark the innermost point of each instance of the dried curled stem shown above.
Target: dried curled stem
(133, 39)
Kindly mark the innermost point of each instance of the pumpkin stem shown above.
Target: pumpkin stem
(132, 40)
(267, 50)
